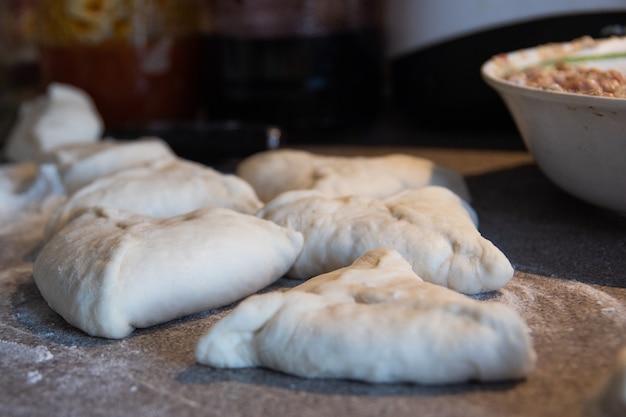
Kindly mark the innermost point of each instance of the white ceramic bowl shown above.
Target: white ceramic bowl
(577, 140)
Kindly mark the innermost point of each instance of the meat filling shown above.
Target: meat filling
(570, 78)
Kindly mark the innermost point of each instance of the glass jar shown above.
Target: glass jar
(19, 77)
(138, 59)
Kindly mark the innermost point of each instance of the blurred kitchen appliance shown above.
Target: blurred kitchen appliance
(301, 64)
(436, 47)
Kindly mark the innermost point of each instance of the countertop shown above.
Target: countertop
(569, 286)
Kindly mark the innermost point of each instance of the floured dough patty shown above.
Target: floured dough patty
(110, 271)
(374, 321)
(161, 189)
(63, 115)
(273, 172)
(431, 227)
(27, 186)
(80, 164)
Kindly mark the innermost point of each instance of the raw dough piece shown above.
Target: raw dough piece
(610, 399)
(110, 271)
(431, 227)
(63, 116)
(161, 189)
(83, 163)
(374, 321)
(26, 186)
(273, 172)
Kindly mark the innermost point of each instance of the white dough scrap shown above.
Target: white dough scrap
(431, 227)
(110, 271)
(275, 171)
(374, 321)
(80, 164)
(163, 188)
(27, 187)
(63, 115)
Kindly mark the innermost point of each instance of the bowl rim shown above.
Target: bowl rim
(489, 72)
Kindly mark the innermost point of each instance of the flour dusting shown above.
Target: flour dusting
(12, 353)
(33, 377)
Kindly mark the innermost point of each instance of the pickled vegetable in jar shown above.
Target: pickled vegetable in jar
(140, 60)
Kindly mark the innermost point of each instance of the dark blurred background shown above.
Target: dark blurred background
(325, 71)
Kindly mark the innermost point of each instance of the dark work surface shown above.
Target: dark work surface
(545, 231)
(569, 287)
